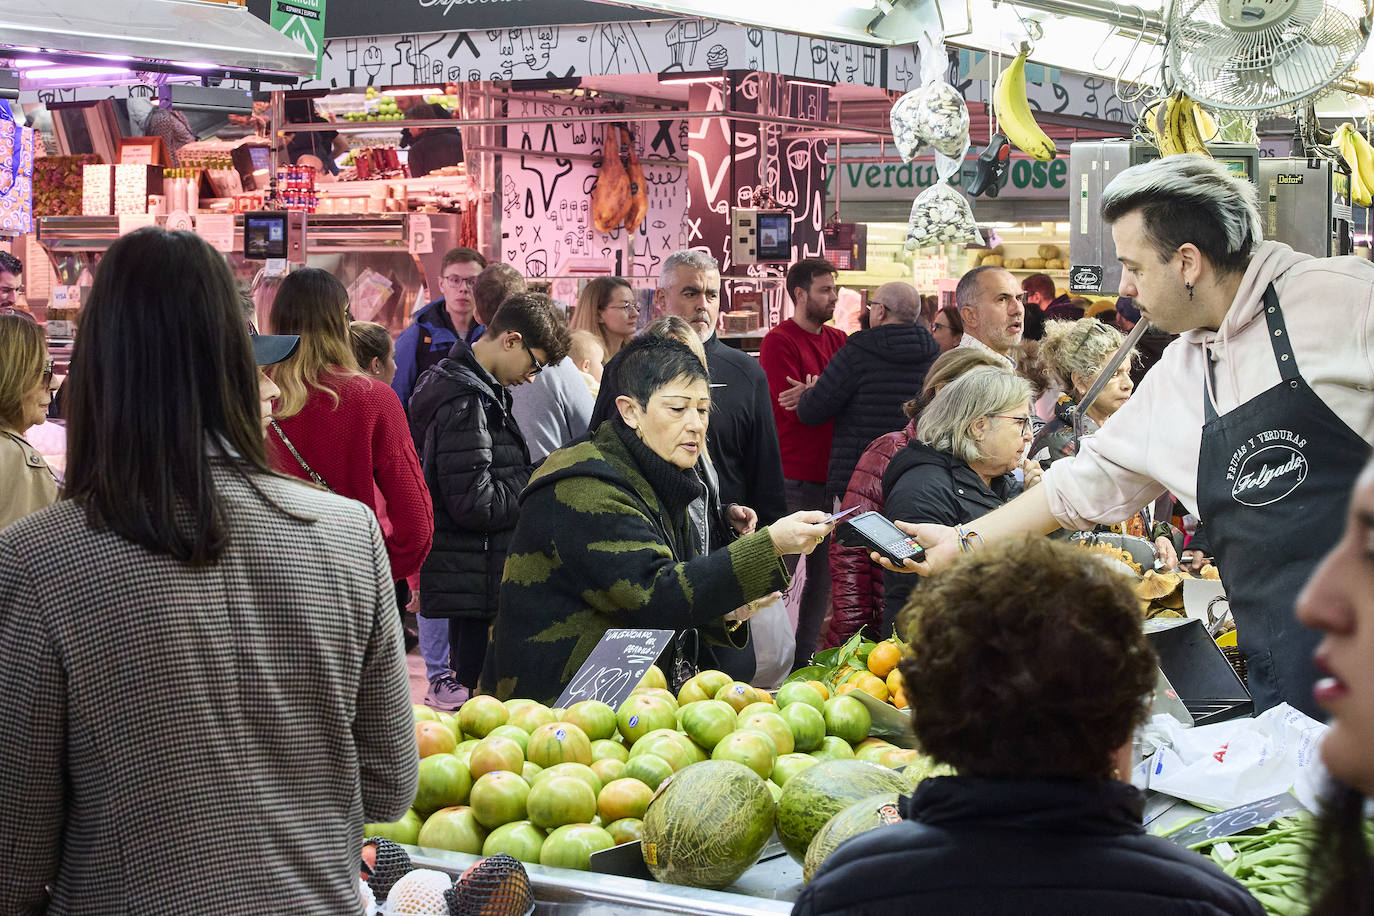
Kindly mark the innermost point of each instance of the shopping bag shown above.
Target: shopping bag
(16, 174)
(775, 642)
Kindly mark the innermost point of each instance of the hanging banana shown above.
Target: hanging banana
(1174, 126)
(1350, 151)
(1365, 154)
(1014, 116)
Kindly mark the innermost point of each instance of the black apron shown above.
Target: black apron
(1274, 480)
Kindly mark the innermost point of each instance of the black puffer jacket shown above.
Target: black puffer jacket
(863, 388)
(475, 463)
(922, 485)
(1035, 848)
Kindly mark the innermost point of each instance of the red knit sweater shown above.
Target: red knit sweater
(362, 440)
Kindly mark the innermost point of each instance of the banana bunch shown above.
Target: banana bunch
(1359, 155)
(1014, 116)
(1179, 125)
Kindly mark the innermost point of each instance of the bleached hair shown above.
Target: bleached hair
(946, 424)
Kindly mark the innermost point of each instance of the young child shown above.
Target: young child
(587, 353)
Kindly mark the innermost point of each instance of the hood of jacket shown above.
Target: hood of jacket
(454, 376)
(900, 344)
(1268, 265)
(916, 454)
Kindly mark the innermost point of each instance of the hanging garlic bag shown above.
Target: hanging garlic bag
(933, 115)
(941, 215)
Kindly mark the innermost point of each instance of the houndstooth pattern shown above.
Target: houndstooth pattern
(178, 740)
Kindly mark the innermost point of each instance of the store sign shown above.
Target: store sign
(1025, 178)
(302, 21)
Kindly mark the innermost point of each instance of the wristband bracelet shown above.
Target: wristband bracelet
(965, 537)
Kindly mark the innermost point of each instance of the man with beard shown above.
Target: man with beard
(793, 356)
(992, 305)
(741, 438)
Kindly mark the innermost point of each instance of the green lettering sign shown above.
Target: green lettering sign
(302, 21)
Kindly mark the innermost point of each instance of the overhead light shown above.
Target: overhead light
(808, 81)
(685, 78)
(423, 90)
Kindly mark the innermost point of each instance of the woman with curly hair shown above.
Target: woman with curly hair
(1027, 673)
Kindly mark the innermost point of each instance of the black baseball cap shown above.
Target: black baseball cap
(273, 348)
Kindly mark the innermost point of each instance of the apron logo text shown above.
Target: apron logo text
(1269, 473)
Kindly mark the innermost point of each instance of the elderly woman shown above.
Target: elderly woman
(969, 439)
(1339, 601)
(856, 590)
(1074, 354)
(27, 483)
(605, 537)
(607, 309)
(1041, 819)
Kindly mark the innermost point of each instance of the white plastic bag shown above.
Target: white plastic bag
(941, 215)
(934, 114)
(775, 642)
(1236, 762)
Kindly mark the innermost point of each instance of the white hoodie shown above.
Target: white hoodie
(1151, 444)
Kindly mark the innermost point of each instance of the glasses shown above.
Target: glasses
(629, 308)
(1024, 421)
(458, 282)
(941, 327)
(538, 366)
(47, 372)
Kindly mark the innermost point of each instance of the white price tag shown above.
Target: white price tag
(421, 239)
(128, 222)
(217, 229)
(276, 267)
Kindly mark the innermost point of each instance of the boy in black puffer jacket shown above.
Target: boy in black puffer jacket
(476, 463)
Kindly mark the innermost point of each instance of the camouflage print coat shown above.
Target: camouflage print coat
(604, 542)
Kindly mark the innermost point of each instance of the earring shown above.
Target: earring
(1190, 291)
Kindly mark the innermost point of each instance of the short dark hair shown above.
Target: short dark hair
(649, 362)
(969, 285)
(163, 338)
(539, 321)
(462, 256)
(1040, 284)
(10, 264)
(804, 272)
(493, 286)
(1027, 661)
(956, 321)
(426, 111)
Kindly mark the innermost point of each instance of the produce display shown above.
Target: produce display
(57, 183)
(1270, 861)
(859, 664)
(702, 777)
(864, 815)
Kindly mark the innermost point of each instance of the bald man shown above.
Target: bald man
(866, 382)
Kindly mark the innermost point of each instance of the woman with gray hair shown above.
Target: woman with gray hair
(969, 439)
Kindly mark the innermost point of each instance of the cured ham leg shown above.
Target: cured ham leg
(611, 197)
(639, 192)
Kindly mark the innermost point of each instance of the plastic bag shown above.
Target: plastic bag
(1236, 762)
(775, 641)
(933, 115)
(941, 215)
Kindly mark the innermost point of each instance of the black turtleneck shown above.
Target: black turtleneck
(675, 487)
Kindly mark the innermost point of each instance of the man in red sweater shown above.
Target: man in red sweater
(793, 355)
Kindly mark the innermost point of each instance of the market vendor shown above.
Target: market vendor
(604, 537)
(1258, 418)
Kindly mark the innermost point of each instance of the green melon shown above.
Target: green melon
(817, 794)
(860, 817)
(707, 824)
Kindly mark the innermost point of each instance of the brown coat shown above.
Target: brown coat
(26, 482)
(182, 740)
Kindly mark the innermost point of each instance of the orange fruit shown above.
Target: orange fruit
(898, 699)
(894, 680)
(823, 690)
(872, 685)
(883, 659)
(845, 688)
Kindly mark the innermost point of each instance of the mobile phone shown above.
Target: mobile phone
(873, 532)
(836, 516)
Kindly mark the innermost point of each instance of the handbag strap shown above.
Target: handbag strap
(319, 481)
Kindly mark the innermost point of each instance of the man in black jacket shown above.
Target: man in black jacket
(866, 383)
(476, 463)
(742, 439)
(431, 147)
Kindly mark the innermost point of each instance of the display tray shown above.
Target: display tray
(770, 886)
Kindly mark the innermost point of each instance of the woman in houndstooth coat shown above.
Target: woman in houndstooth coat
(204, 691)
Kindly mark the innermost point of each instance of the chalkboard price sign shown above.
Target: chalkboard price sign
(1238, 820)
(616, 666)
